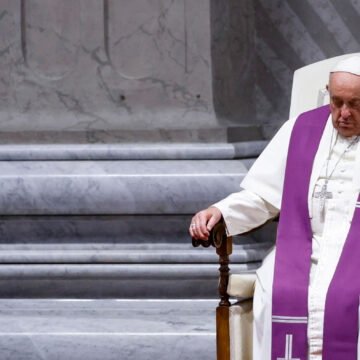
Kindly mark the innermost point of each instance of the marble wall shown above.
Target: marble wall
(96, 68)
(233, 55)
(104, 70)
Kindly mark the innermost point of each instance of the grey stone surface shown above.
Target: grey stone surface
(113, 256)
(233, 59)
(95, 229)
(95, 67)
(110, 71)
(99, 271)
(115, 187)
(141, 281)
(104, 231)
(118, 271)
(208, 135)
(111, 347)
(107, 329)
(142, 151)
(125, 254)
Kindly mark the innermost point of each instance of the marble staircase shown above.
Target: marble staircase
(125, 271)
(96, 261)
(78, 226)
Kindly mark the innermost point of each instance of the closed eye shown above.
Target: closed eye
(337, 102)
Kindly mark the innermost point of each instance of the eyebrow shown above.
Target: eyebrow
(335, 97)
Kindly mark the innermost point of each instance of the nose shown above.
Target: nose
(345, 112)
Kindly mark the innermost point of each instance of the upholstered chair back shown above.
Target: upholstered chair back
(309, 85)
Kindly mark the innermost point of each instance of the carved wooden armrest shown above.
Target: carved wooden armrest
(223, 244)
(218, 238)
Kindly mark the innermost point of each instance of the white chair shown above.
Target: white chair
(234, 321)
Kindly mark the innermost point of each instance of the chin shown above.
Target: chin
(346, 132)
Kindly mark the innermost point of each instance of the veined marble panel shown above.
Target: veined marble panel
(96, 68)
(10, 50)
(51, 37)
(143, 36)
(89, 66)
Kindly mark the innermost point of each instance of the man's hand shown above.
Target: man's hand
(203, 222)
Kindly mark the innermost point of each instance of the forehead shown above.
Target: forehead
(344, 84)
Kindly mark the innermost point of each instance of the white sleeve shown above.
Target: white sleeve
(261, 199)
(245, 210)
(266, 176)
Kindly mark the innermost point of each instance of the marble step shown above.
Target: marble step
(43, 329)
(140, 151)
(118, 272)
(113, 280)
(116, 187)
(103, 270)
(124, 253)
(190, 135)
(124, 271)
(103, 229)
(106, 230)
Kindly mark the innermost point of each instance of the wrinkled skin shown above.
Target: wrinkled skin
(204, 221)
(344, 91)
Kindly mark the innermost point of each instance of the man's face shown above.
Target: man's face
(345, 103)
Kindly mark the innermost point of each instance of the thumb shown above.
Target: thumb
(212, 221)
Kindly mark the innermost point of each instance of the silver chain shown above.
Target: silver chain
(327, 178)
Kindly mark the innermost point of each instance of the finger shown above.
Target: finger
(200, 233)
(191, 228)
(202, 226)
(193, 232)
(197, 231)
(200, 236)
(212, 222)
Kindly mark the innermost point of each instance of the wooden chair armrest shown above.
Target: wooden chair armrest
(223, 244)
(218, 238)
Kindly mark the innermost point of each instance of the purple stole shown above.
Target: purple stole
(292, 262)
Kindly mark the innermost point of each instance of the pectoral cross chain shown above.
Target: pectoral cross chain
(323, 195)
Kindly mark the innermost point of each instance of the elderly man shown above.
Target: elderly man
(306, 301)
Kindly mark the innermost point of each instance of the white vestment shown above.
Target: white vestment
(261, 200)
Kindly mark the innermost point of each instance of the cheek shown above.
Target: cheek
(335, 114)
(357, 120)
